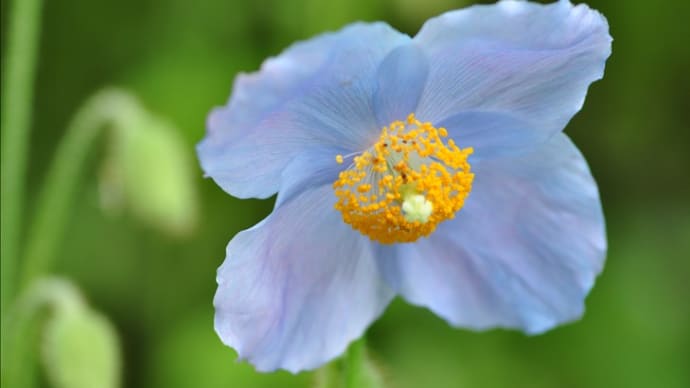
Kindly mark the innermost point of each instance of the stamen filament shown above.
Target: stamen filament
(406, 184)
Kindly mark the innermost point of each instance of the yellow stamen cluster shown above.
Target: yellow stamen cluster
(406, 184)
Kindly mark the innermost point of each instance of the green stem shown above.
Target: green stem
(22, 328)
(355, 360)
(108, 107)
(17, 96)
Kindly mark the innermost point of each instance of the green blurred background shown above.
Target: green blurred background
(180, 58)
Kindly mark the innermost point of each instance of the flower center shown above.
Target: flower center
(407, 183)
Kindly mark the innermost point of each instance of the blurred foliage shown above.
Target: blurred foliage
(80, 349)
(180, 57)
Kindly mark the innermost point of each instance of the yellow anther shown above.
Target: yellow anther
(414, 180)
(364, 188)
(339, 159)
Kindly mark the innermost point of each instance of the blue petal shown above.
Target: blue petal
(522, 253)
(400, 82)
(491, 134)
(317, 92)
(309, 170)
(515, 58)
(298, 287)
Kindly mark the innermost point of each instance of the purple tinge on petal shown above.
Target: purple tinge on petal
(522, 253)
(514, 58)
(316, 93)
(298, 287)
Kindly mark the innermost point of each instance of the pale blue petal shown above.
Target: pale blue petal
(515, 58)
(298, 287)
(400, 82)
(522, 253)
(311, 169)
(317, 92)
(491, 134)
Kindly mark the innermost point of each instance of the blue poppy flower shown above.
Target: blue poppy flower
(433, 167)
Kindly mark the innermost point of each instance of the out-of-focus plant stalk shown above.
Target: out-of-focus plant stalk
(359, 371)
(17, 96)
(101, 110)
(80, 347)
(149, 152)
(17, 346)
(354, 362)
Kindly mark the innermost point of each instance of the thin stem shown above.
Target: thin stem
(17, 96)
(109, 106)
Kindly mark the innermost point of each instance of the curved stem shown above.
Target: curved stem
(22, 327)
(17, 95)
(108, 107)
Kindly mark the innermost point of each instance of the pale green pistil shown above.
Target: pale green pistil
(417, 208)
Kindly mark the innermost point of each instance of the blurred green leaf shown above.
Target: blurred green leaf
(191, 355)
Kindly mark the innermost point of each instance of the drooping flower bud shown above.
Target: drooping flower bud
(81, 350)
(149, 171)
